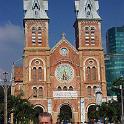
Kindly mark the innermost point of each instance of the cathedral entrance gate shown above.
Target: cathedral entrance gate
(38, 110)
(65, 114)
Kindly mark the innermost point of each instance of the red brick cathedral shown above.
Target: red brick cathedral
(62, 79)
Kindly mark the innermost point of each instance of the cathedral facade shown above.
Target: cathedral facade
(64, 78)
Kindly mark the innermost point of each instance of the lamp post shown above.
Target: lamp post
(122, 107)
(5, 85)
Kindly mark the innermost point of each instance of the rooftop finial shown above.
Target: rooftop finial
(63, 35)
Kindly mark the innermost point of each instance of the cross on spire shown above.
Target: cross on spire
(63, 35)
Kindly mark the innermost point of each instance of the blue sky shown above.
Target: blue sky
(62, 18)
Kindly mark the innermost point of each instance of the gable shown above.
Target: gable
(63, 43)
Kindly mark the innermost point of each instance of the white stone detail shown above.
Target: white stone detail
(87, 9)
(65, 94)
(35, 9)
(82, 107)
(49, 105)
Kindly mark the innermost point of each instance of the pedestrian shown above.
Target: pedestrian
(45, 118)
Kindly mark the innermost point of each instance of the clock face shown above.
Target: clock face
(64, 72)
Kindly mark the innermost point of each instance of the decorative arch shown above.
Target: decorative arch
(43, 67)
(65, 104)
(41, 106)
(97, 64)
(89, 106)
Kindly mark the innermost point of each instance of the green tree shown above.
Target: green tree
(21, 108)
(106, 111)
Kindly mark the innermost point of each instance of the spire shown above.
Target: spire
(35, 9)
(87, 9)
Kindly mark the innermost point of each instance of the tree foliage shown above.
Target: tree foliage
(108, 111)
(22, 109)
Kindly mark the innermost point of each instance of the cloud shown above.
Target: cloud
(11, 45)
(10, 33)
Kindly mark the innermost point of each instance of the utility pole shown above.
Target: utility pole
(5, 88)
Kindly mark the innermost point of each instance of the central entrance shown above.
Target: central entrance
(65, 114)
(37, 110)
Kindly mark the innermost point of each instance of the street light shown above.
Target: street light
(5, 85)
(122, 107)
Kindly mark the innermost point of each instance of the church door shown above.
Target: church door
(65, 114)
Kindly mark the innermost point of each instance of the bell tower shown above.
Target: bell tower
(89, 44)
(87, 25)
(36, 24)
(36, 46)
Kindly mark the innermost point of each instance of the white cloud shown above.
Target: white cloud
(11, 45)
(10, 33)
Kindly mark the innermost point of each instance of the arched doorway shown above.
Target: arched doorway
(91, 113)
(37, 111)
(65, 114)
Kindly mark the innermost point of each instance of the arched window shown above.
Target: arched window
(37, 70)
(34, 35)
(65, 88)
(93, 73)
(88, 73)
(71, 88)
(94, 89)
(34, 73)
(39, 35)
(59, 88)
(89, 90)
(34, 92)
(40, 92)
(92, 29)
(40, 73)
(87, 29)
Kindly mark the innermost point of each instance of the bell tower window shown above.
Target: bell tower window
(33, 35)
(39, 35)
(89, 35)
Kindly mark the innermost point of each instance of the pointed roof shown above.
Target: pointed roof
(63, 39)
(87, 9)
(36, 9)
